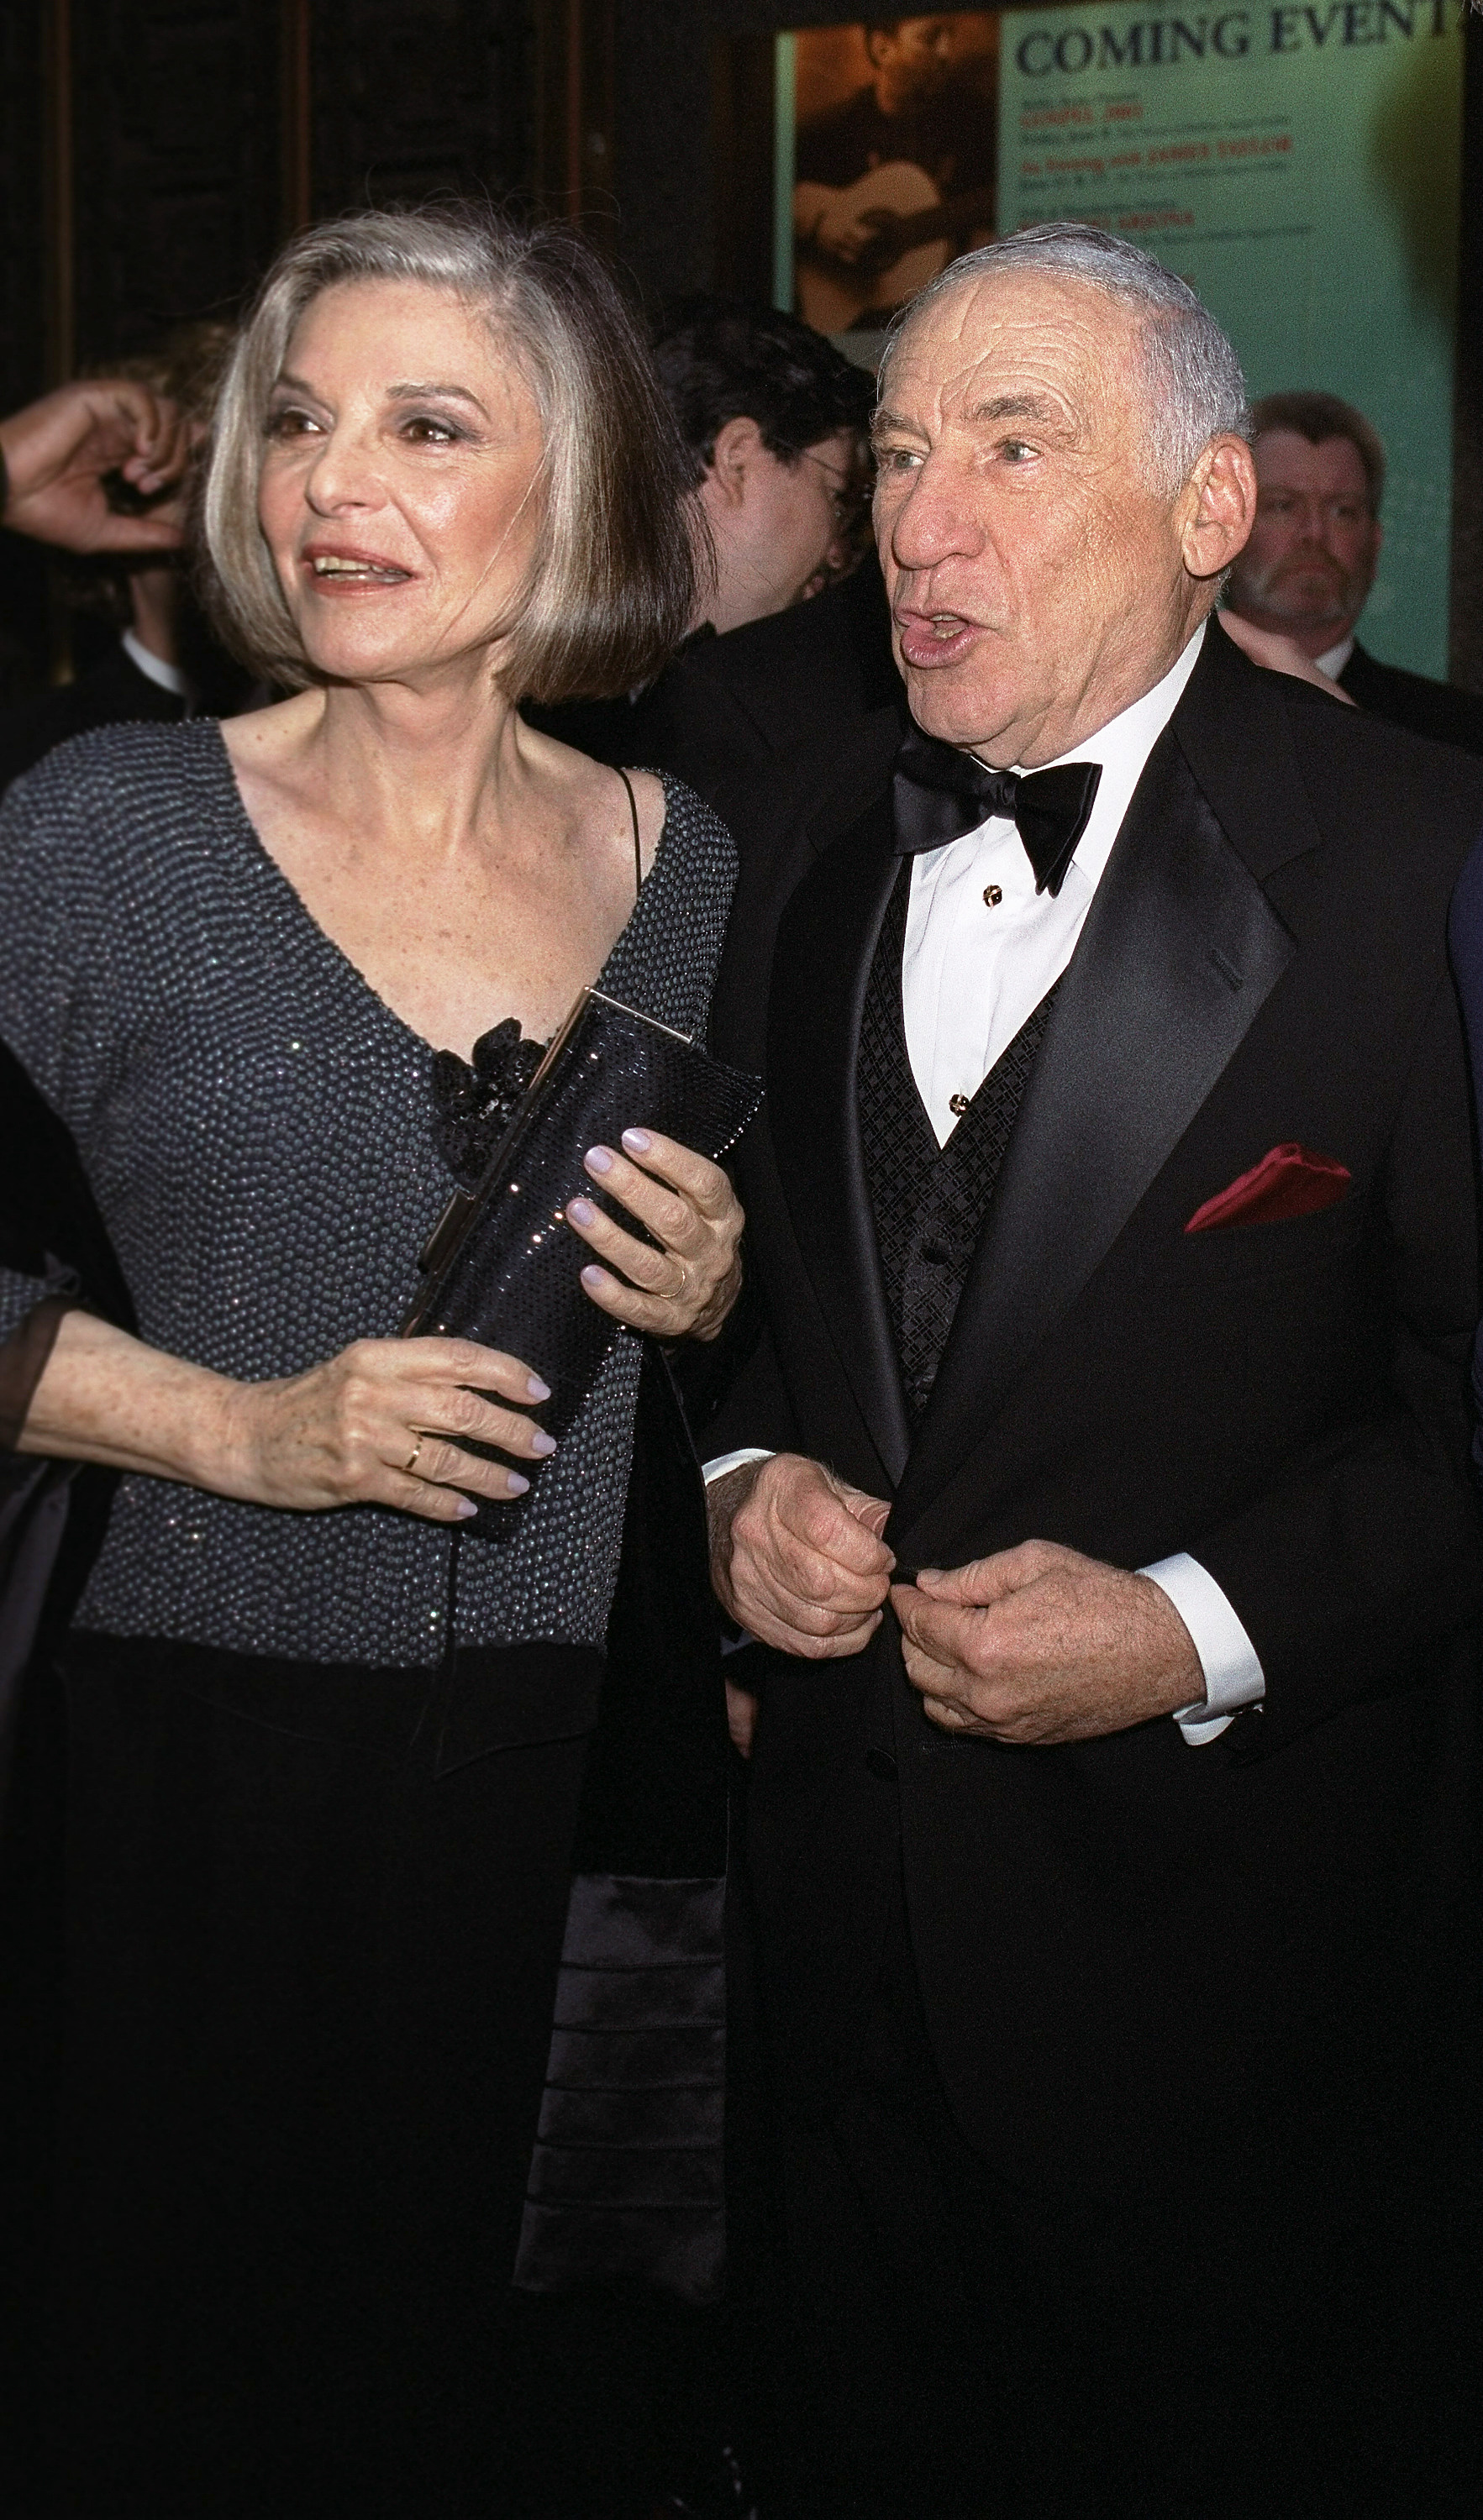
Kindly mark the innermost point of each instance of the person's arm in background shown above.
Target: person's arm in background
(1279, 655)
(56, 454)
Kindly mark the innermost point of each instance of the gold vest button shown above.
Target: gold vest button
(993, 896)
(958, 1104)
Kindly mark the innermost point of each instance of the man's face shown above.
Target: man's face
(1038, 584)
(780, 524)
(1311, 559)
(914, 65)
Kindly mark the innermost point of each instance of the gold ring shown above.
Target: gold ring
(412, 1455)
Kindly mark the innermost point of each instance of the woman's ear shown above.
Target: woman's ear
(1220, 507)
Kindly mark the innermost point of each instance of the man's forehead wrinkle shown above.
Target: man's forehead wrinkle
(1055, 331)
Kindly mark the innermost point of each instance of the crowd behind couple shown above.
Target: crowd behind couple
(1078, 1446)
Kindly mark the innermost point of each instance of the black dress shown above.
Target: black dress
(330, 1776)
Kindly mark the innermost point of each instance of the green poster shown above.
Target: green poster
(1300, 167)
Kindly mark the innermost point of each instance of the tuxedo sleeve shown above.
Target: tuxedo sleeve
(1354, 1573)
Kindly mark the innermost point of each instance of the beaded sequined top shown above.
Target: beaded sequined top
(259, 1129)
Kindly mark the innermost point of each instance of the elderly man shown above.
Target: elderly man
(1306, 571)
(1100, 1487)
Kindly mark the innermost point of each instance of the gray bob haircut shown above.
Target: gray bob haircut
(1197, 391)
(612, 585)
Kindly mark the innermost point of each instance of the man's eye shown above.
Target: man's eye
(896, 459)
(1014, 450)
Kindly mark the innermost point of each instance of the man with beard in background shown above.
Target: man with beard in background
(1310, 564)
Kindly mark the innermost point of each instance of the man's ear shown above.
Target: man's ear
(739, 443)
(1218, 506)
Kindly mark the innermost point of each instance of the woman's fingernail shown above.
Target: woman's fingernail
(580, 1210)
(466, 1508)
(594, 1278)
(599, 1159)
(537, 1389)
(515, 1483)
(637, 1140)
(542, 1443)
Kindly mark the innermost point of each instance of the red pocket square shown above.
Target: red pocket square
(1291, 1180)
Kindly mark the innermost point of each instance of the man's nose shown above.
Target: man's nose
(933, 523)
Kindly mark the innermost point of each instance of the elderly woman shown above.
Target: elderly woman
(281, 980)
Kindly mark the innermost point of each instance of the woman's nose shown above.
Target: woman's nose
(342, 476)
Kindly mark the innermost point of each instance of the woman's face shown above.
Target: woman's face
(399, 495)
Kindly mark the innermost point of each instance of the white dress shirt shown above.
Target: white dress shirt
(168, 677)
(974, 968)
(1334, 659)
(983, 947)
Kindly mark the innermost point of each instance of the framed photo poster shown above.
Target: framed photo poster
(1299, 162)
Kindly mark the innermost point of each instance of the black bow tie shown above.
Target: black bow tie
(941, 792)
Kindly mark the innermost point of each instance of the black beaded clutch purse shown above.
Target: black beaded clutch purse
(502, 1265)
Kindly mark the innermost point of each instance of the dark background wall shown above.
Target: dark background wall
(153, 153)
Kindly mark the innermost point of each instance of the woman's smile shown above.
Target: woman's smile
(334, 570)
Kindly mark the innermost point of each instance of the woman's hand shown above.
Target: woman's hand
(382, 1423)
(686, 1289)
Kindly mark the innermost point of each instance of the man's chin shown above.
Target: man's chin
(942, 705)
(1301, 609)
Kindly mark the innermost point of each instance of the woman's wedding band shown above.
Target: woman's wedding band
(412, 1455)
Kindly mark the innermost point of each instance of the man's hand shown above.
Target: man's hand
(1041, 1644)
(796, 1556)
(58, 451)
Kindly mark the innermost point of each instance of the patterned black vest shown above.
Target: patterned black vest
(929, 1201)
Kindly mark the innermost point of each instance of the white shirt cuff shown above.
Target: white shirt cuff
(724, 1461)
(1234, 1677)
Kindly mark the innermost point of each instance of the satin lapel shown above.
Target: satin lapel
(1179, 952)
(825, 941)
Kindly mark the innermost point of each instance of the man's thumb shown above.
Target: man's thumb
(874, 1513)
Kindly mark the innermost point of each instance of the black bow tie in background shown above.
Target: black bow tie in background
(941, 792)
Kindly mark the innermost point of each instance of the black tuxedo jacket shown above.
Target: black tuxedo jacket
(1439, 710)
(730, 703)
(1135, 1954)
(795, 677)
(109, 693)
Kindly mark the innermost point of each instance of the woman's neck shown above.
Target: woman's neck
(430, 772)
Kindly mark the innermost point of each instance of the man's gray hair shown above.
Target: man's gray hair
(1197, 391)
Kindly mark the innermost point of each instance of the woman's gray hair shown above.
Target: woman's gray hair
(1197, 391)
(612, 585)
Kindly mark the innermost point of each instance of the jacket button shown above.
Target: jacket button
(880, 1764)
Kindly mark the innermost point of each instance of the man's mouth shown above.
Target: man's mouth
(933, 639)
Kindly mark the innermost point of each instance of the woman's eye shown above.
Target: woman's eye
(424, 431)
(288, 421)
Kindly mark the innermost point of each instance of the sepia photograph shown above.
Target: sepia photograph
(894, 150)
